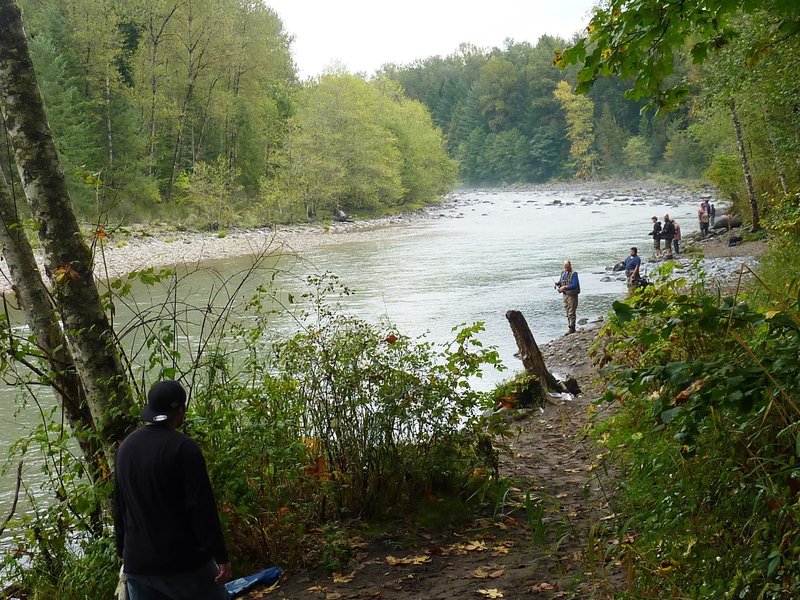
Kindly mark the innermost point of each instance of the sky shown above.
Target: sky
(362, 35)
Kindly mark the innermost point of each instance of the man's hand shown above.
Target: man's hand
(225, 573)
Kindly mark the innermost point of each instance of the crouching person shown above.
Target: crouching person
(632, 264)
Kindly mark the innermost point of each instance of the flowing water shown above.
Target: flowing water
(482, 253)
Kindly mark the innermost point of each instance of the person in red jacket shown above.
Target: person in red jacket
(167, 527)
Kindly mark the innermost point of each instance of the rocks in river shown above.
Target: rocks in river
(725, 221)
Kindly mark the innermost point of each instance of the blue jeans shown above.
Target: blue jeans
(197, 584)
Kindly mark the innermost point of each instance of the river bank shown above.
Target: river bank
(119, 252)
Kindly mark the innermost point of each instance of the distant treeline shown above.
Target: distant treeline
(508, 116)
(193, 112)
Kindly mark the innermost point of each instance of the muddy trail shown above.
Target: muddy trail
(542, 542)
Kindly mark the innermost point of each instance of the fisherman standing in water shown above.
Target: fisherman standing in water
(569, 285)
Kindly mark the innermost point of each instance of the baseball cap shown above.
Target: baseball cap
(162, 400)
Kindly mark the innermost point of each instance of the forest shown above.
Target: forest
(192, 113)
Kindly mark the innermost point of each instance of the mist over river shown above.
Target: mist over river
(479, 254)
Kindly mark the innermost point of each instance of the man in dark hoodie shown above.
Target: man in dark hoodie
(166, 522)
(668, 234)
(656, 233)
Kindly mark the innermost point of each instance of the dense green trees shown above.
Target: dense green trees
(157, 103)
(505, 123)
(357, 146)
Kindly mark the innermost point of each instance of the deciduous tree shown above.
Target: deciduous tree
(68, 261)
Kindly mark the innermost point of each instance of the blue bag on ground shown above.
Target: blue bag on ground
(237, 587)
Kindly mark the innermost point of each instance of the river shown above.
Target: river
(480, 254)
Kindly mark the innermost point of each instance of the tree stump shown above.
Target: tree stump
(530, 354)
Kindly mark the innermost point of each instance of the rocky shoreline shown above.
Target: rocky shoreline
(141, 247)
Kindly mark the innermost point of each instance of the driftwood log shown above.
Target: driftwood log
(531, 355)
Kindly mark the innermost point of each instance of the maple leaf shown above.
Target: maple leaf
(267, 591)
(488, 572)
(481, 573)
(455, 550)
(64, 274)
(475, 546)
(491, 593)
(340, 578)
(317, 588)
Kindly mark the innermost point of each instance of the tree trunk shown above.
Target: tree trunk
(776, 154)
(529, 351)
(36, 305)
(156, 35)
(68, 261)
(748, 177)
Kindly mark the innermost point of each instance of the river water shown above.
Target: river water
(480, 254)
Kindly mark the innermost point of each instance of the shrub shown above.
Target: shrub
(706, 439)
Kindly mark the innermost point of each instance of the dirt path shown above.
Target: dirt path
(538, 552)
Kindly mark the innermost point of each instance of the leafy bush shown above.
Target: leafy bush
(345, 419)
(706, 436)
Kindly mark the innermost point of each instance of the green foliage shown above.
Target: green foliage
(684, 154)
(65, 568)
(59, 546)
(143, 91)
(580, 130)
(637, 153)
(725, 172)
(210, 192)
(356, 146)
(644, 40)
(610, 138)
(67, 108)
(389, 413)
(706, 439)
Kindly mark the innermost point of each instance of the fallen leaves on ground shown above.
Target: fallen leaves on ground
(475, 546)
(488, 572)
(544, 587)
(491, 593)
(341, 578)
(408, 560)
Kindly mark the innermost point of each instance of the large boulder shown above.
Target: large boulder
(722, 222)
(341, 217)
